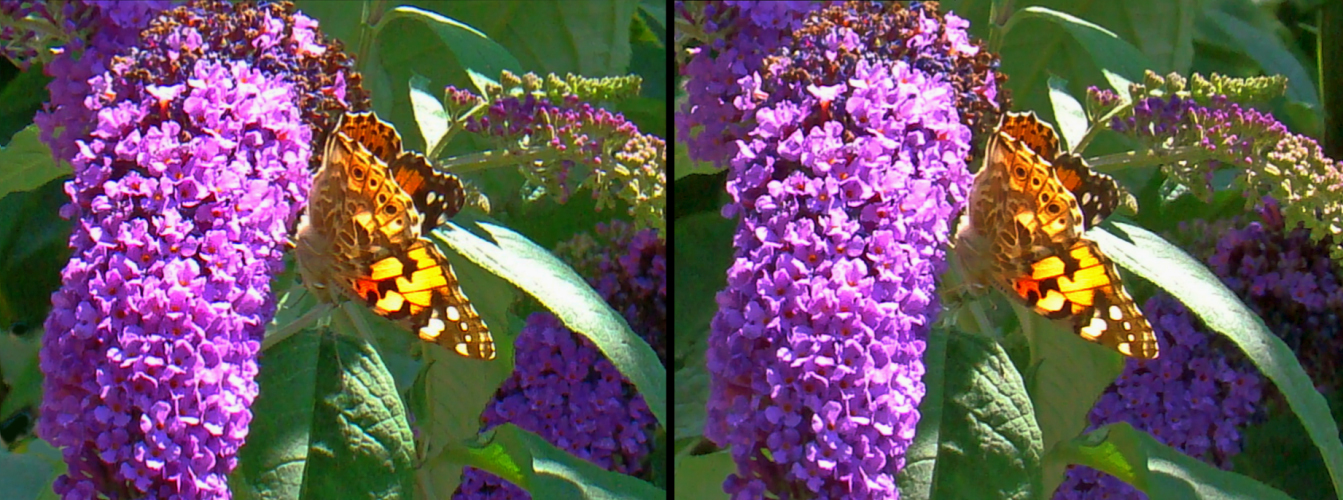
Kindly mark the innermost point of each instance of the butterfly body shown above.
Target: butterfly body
(362, 236)
(1022, 232)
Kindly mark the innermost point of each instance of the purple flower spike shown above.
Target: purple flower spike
(845, 187)
(151, 345)
(188, 172)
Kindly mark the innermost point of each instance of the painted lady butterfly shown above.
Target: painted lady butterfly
(362, 235)
(1022, 231)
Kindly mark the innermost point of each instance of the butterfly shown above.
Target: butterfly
(362, 236)
(1022, 231)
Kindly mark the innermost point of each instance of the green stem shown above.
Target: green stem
(1138, 159)
(280, 334)
(1098, 125)
(494, 159)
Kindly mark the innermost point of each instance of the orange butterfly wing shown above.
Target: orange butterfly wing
(363, 235)
(1031, 203)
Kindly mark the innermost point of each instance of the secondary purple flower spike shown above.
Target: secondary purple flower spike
(563, 388)
(1192, 399)
(735, 38)
(97, 30)
(1289, 279)
(1210, 127)
(845, 188)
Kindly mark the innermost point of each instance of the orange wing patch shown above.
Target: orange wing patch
(362, 236)
(1027, 210)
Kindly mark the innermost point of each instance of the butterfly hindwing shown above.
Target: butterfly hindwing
(1097, 194)
(419, 288)
(438, 195)
(1083, 284)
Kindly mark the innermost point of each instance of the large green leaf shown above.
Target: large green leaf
(555, 285)
(1151, 257)
(1279, 453)
(589, 38)
(360, 441)
(1119, 61)
(34, 246)
(334, 424)
(1159, 470)
(701, 254)
(545, 471)
(1068, 374)
(29, 473)
(273, 462)
(1040, 46)
(701, 477)
(1266, 49)
(917, 479)
(28, 163)
(989, 445)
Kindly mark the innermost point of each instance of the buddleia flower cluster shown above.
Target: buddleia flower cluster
(1194, 398)
(563, 388)
(1209, 126)
(583, 146)
(719, 43)
(191, 171)
(844, 182)
(1287, 278)
(75, 40)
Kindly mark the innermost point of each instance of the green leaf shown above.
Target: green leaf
(702, 252)
(330, 422)
(1119, 61)
(1266, 49)
(28, 163)
(1071, 118)
(534, 270)
(31, 472)
(561, 475)
(276, 455)
(1068, 374)
(429, 113)
(989, 445)
(412, 41)
(1162, 29)
(684, 166)
(701, 477)
(360, 441)
(473, 50)
(448, 399)
(1159, 470)
(917, 479)
(655, 10)
(1279, 453)
(1151, 257)
(501, 451)
(34, 246)
(21, 97)
(22, 373)
(532, 463)
(588, 38)
(692, 394)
